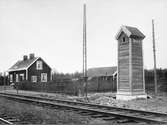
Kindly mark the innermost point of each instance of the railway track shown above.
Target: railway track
(4, 121)
(94, 110)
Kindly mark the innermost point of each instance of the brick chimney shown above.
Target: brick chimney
(25, 57)
(31, 56)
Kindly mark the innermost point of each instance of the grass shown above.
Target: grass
(32, 114)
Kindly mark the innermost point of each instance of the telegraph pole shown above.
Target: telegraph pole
(4, 76)
(84, 50)
(154, 53)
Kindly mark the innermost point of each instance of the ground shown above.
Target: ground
(158, 104)
(32, 114)
(27, 113)
(154, 103)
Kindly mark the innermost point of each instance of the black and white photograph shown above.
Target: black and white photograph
(83, 62)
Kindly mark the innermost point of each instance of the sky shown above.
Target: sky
(53, 29)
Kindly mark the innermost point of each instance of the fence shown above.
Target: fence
(96, 84)
(69, 87)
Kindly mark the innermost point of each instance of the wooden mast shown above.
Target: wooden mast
(154, 53)
(84, 50)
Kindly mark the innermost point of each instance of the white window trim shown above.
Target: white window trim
(11, 77)
(44, 75)
(39, 65)
(17, 77)
(22, 75)
(33, 78)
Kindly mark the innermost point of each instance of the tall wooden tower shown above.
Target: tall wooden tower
(130, 78)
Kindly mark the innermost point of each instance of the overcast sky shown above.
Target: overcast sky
(52, 29)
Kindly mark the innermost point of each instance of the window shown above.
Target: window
(17, 77)
(33, 78)
(11, 78)
(21, 77)
(123, 39)
(43, 77)
(39, 65)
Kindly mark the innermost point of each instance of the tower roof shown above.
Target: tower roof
(131, 32)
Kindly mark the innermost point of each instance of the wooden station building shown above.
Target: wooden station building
(32, 69)
(130, 77)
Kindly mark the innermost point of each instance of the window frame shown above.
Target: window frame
(44, 75)
(39, 65)
(11, 77)
(123, 39)
(34, 79)
(17, 77)
(22, 76)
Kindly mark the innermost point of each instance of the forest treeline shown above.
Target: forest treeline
(149, 76)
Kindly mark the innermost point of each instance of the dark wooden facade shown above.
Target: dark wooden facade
(33, 72)
(24, 70)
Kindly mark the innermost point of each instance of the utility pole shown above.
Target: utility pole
(84, 51)
(154, 53)
(4, 76)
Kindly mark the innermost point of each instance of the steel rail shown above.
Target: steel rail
(138, 115)
(88, 104)
(6, 121)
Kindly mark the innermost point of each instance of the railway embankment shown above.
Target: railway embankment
(22, 113)
(153, 103)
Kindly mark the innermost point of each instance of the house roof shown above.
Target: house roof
(22, 64)
(130, 32)
(102, 71)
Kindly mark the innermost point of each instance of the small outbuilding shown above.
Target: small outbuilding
(104, 77)
(130, 78)
(32, 69)
(103, 72)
